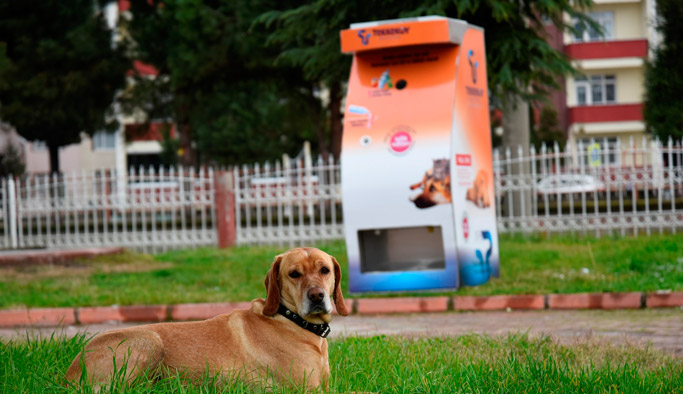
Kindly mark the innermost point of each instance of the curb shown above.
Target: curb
(47, 317)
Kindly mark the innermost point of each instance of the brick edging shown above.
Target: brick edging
(46, 317)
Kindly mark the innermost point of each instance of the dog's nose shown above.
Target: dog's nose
(316, 294)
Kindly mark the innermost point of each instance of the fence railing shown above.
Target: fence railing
(596, 188)
(291, 202)
(145, 209)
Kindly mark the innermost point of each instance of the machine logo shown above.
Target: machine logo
(383, 82)
(400, 140)
(473, 65)
(364, 38)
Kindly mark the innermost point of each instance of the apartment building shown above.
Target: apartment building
(606, 102)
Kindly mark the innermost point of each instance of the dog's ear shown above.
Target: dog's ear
(338, 296)
(273, 288)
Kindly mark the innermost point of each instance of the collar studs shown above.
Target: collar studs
(321, 330)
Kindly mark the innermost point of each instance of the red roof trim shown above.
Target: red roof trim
(143, 69)
(124, 5)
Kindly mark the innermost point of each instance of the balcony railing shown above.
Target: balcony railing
(606, 49)
(606, 113)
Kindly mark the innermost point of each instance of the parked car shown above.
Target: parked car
(569, 183)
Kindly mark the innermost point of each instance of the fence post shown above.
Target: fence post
(224, 189)
(12, 211)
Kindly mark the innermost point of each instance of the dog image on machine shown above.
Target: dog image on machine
(479, 192)
(281, 339)
(436, 185)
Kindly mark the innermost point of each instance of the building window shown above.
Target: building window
(39, 145)
(103, 140)
(604, 19)
(606, 154)
(596, 90)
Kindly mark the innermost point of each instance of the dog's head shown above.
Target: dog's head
(305, 280)
(478, 193)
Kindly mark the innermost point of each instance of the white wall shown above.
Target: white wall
(75, 157)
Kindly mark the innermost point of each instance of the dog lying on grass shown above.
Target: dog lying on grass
(281, 338)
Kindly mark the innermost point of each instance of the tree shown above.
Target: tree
(664, 75)
(548, 132)
(61, 71)
(520, 61)
(217, 80)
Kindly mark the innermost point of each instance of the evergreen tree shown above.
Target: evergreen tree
(547, 132)
(520, 60)
(59, 71)
(217, 81)
(664, 75)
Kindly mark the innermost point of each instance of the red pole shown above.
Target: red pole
(225, 208)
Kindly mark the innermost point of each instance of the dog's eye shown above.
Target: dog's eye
(324, 270)
(294, 274)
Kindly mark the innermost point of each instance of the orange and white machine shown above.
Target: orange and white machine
(417, 173)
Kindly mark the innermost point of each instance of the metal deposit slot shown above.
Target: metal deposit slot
(402, 249)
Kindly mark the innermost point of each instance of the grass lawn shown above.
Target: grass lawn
(467, 364)
(529, 265)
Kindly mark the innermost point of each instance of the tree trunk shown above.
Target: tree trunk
(335, 119)
(320, 122)
(516, 134)
(188, 156)
(54, 158)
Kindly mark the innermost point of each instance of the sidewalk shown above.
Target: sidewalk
(661, 328)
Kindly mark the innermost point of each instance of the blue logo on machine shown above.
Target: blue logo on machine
(473, 65)
(364, 38)
(479, 272)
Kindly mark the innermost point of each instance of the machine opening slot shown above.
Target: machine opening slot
(401, 249)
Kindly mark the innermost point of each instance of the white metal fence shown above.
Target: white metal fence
(597, 187)
(145, 209)
(289, 202)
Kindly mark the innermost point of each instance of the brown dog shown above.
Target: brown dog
(258, 344)
(436, 185)
(479, 193)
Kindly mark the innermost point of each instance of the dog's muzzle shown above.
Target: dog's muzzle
(317, 301)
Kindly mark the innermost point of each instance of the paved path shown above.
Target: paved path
(663, 328)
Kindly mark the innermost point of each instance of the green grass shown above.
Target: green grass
(467, 364)
(529, 265)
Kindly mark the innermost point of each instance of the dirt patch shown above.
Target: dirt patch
(77, 269)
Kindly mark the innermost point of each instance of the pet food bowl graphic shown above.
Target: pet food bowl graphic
(477, 272)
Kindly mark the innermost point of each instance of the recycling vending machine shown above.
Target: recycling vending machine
(417, 172)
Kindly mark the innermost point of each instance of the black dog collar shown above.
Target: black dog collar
(322, 330)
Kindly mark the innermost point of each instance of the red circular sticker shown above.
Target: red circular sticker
(400, 141)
